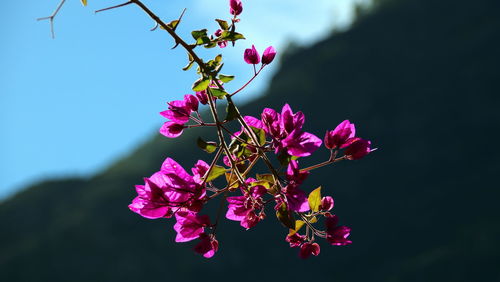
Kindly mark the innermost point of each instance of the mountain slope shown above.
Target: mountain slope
(418, 77)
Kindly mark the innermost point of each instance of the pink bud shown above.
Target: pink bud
(326, 203)
(358, 149)
(235, 7)
(268, 55)
(340, 136)
(251, 56)
(308, 249)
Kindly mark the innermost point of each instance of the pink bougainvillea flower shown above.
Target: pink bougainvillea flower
(151, 201)
(358, 149)
(189, 225)
(171, 129)
(268, 55)
(340, 136)
(286, 132)
(326, 203)
(251, 56)
(235, 7)
(191, 102)
(336, 235)
(181, 188)
(295, 239)
(243, 208)
(207, 246)
(308, 249)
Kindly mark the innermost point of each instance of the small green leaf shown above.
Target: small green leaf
(218, 93)
(208, 147)
(215, 172)
(202, 40)
(261, 135)
(231, 35)
(199, 33)
(261, 183)
(267, 176)
(285, 216)
(173, 24)
(218, 59)
(314, 199)
(225, 78)
(223, 24)
(232, 113)
(298, 226)
(84, 2)
(201, 84)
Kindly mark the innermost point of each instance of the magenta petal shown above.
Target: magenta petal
(302, 146)
(251, 56)
(358, 149)
(255, 122)
(308, 249)
(189, 226)
(268, 55)
(171, 129)
(297, 200)
(207, 246)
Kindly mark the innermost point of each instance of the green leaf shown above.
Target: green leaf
(84, 2)
(232, 113)
(285, 216)
(298, 226)
(203, 40)
(199, 33)
(225, 78)
(173, 24)
(267, 176)
(231, 35)
(223, 24)
(314, 199)
(261, 135)
(201, 84)
(261, 183)
(218, 93)
(215, 172)
(208, 147)
(218, 59)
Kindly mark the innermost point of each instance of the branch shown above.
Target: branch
(51, 17)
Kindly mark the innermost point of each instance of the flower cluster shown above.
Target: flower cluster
(174, 193)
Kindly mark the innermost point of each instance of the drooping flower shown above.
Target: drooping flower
(181, 188)
(268, 55)
(358, 149)
(340, 136)
(251, 56)
(296, 198)
(189, 225)
(336, 235)
(207, 246)
(308, 249)
(293, 173)
(235, 7)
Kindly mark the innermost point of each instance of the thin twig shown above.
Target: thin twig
(51, 17)
(114, 7)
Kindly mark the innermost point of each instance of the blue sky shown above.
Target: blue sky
(72, 105)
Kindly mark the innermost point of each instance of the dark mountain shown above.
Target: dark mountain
(418, 77)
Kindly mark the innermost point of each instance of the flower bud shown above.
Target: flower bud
(326, 203)
(251, 56)
(358, 149)
(308, 249)
(235, 7)
(268, 55)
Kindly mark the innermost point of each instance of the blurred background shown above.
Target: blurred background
(79, 120)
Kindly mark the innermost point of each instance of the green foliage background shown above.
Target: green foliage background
(418, 77)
